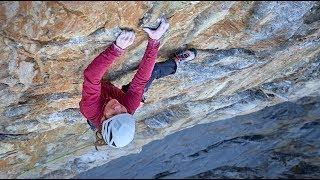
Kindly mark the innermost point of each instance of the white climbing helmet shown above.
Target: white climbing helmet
(118, 131)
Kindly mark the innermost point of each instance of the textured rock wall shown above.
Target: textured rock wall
(280, 141)
(251, 55)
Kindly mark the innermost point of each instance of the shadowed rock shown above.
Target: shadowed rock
(270, 147)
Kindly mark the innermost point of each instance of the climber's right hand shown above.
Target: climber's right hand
(125, 39)
(158, 33)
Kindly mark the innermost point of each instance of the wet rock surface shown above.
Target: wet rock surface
(250, 55)
(280, 141)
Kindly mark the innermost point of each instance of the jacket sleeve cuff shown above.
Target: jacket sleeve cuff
(153, 42)
(118, 51)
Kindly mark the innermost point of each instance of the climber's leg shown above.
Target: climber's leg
(161, 69)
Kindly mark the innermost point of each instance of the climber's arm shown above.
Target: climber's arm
(133, 96)
(91, 103)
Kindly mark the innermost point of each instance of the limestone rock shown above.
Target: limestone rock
(250, 55)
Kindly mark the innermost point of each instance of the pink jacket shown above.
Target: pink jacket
(97, 93)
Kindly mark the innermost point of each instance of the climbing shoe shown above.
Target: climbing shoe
(185, 55)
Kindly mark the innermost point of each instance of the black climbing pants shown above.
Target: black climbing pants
(161, 69)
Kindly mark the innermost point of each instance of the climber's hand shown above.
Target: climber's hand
(125, 39)
(157, 33)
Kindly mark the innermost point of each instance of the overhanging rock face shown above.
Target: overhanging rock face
(280, 141)
(250, 55)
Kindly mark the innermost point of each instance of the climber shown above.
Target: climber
(108, 109)
(168, 67)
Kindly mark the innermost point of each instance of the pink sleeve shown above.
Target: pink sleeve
(133, 96)
(91, 103)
